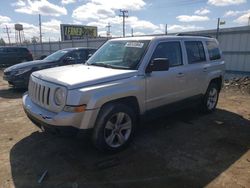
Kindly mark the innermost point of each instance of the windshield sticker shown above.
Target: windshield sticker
(134, 44)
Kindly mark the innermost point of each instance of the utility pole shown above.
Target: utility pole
(7, 30)
(218, 28)
(108, 31)
(132, 32)
(124, 14)
(40, 28)
(166, 29)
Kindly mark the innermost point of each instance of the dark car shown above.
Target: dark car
(13, 55)
(18, 75)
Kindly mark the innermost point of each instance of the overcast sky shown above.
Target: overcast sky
(145, 17)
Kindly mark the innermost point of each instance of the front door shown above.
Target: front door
(164, 87)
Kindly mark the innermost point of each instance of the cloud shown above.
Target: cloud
(99, 9)
(137, 24)
(225, 2)
(202, 11)
(121, 4)
(66, 2)
(52, 26)
(4, 19)
(192, 18)
(231, 13)
(92, 11)
(42, 7)
(243, 19)
(182, 28)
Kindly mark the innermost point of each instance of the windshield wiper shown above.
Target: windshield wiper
(102, 65)
(106, 65)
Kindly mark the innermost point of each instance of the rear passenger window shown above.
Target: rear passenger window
(195, 51)
(12, 50)
(213, 50)
(170, 50)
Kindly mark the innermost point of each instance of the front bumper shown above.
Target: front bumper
(59, 122)
(17, 81)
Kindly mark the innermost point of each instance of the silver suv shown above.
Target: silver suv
(124, 80)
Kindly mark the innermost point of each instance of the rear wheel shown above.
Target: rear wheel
(114, 128)
(211, 97)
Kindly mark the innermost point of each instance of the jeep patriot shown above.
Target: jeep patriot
(125, 79)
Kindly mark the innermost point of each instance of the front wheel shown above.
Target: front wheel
(211, 97)
(114, 128)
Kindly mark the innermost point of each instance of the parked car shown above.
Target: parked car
(125, 81)
(13, 55)
(18, 75)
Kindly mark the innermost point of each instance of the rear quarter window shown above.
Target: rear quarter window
(195, 52)
(23, 50)
(213, 50)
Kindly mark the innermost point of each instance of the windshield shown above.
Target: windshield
(119, 54)
(57, 55)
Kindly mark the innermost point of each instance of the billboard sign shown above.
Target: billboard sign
(74, 32)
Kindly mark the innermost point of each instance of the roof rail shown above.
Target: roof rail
(197, 35)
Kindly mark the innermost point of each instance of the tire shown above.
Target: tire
(210, 99)
(114, 128)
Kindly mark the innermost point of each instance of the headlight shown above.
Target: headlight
(21, 71)
(60, 96)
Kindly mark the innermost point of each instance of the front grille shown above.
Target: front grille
(42, 93)
(39, 93)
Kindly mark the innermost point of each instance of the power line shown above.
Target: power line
(124, 14)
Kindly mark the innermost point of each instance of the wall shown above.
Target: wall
(234, 42)
(47, 48)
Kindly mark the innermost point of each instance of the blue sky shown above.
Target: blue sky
(145, 17)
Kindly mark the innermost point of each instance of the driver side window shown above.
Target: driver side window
(170, 50)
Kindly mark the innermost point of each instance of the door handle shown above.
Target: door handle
(205, 69)
(180, 74)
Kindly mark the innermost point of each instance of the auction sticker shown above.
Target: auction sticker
(134, 44)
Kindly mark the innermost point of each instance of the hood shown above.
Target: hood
(75, 76)
(27, 64)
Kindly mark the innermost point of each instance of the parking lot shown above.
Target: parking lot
(185, 149)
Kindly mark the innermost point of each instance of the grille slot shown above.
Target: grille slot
(39, 93)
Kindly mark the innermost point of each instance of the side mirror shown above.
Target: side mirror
(89, 56)
(69, 60)
(42, 57)
(158, 64)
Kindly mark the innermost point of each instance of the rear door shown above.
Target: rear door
(12, 56)
(197, 66)
(164, 87)
(3, 56)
